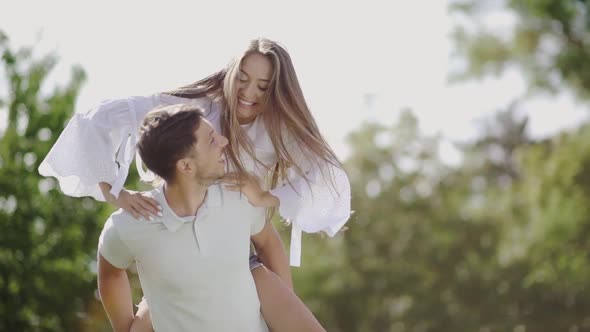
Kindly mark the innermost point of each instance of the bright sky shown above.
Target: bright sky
(398, 52)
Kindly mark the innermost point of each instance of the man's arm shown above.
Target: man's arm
(115, 294)
(271, 253)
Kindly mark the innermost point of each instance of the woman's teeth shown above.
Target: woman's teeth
(245, 103)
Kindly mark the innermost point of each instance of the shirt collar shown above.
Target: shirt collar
(172, 221)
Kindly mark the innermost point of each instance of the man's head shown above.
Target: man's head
(177, 143)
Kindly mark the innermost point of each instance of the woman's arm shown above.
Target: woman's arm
(316, 199)
(97, 146)
(92, 155)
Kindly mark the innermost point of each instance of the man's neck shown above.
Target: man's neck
(185, 197)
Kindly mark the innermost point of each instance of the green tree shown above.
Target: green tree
(546, 247)
(549, 41)
(549, 240)
(47, 240)
(496, 243)
(419, 253)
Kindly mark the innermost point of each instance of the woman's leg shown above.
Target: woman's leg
(142, 321)
(282, 310)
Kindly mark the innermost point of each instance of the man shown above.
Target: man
(193, 260)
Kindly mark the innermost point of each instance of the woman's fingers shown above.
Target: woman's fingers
(135, 203)
(145, 205)
(143, 213)
(131, 210)
(154, 207)
(139, 206)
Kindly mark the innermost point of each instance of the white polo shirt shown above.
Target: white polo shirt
(195, 275)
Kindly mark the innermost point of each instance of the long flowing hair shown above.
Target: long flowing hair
(285, 109)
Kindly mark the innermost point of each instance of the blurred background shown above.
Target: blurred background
(463, 126)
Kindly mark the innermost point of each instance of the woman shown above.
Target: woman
(257, 103)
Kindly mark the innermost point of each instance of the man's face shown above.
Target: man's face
(207, 156)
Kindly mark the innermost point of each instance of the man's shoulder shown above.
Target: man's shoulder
(119, 222)
(226, 197)
(236, 202)
(121, 217)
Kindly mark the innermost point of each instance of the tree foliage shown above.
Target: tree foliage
(498, 243)
(47, 240)
(548, 40)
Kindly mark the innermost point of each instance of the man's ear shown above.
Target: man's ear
(184, 166)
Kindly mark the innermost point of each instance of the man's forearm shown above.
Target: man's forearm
(115, 294)
(272, 255)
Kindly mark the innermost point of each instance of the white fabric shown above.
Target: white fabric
(195, 273)
(84, 155)
(92, 144)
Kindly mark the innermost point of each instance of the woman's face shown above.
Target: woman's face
(253, 83)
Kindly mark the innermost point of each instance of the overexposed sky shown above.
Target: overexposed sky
(398, 52)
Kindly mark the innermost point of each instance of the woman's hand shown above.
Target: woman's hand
(137, 204)
(249, 185)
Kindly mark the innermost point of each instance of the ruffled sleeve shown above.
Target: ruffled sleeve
(97, 146)
(322, 205)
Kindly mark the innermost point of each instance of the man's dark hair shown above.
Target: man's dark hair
(167, 135)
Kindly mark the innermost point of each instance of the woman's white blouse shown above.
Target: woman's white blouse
(99, 146)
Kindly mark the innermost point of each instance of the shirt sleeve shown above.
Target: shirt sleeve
(322, 205)
(112, 248)
(97, 146)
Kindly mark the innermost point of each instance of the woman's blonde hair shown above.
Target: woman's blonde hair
(285, 110)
